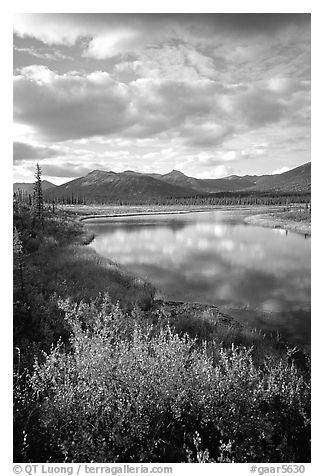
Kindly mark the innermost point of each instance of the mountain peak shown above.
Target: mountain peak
(95, 172)
(99, 173)
(131, 172)
(174, 173)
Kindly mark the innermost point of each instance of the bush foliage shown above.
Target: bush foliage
(128, 391)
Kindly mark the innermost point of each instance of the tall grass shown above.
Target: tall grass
(301, 214)
(57, 264)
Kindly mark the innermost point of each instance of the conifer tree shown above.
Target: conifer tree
(38, 195)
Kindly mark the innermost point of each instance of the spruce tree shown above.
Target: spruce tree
(38, 194)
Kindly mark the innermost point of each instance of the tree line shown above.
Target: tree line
(215, 199)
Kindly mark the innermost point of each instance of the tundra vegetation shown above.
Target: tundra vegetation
(105, 372)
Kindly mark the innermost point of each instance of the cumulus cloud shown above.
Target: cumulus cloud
(176, 62)
(50, 29)
(258, 107)
(204, 113)
(281, 170)
(23, 151)
(68, 169)
(218, 171)
(74, 106)
(208, 89)
(70, 106)
(207, 135)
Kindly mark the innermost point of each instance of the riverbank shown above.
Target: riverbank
(145, 213)
(129, 377)
(87, 212)
(288, 221)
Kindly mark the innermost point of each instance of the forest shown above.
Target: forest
(212, 199)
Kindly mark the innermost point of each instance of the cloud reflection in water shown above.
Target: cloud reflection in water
(207, 258)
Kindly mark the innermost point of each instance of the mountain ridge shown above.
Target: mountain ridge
(100, 185)
(129, 185)
(28, 187)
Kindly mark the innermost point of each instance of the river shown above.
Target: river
(259, 275)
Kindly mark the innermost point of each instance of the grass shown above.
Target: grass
(300, 214)
(107, 373)
(57, 264)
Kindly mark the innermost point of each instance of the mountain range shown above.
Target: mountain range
(103, 186)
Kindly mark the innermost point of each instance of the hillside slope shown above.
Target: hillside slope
(99, 185)
(29, 187)
(295, 180)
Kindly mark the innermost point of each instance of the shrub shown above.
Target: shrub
(126, 391)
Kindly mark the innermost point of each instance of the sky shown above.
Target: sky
(210, 95)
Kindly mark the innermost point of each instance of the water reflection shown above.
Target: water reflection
(214, 257)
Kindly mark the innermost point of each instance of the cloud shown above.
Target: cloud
(113, 43)
(281, 170)
(75, 105)
(103, 35)
(199, 113)
(43, 53)
(176, 62)
(207, 135)
(49, 28)
(204, 87)
(219, 171)
(112, 34)
(255, 152)
(68, 169)
(174, 106)
(23, 151)
(70, 106)
(259, 107)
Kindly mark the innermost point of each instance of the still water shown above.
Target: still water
(258, 275)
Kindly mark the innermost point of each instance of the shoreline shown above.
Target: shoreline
(121, 215)
(268, 221)
(168, 212)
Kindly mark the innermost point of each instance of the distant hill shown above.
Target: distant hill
(29, 187)
(228, 184)
(100, 186)
(180, 180)
(295, 180)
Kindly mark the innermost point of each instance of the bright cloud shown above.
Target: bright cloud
(281, 170)
(157, 92)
